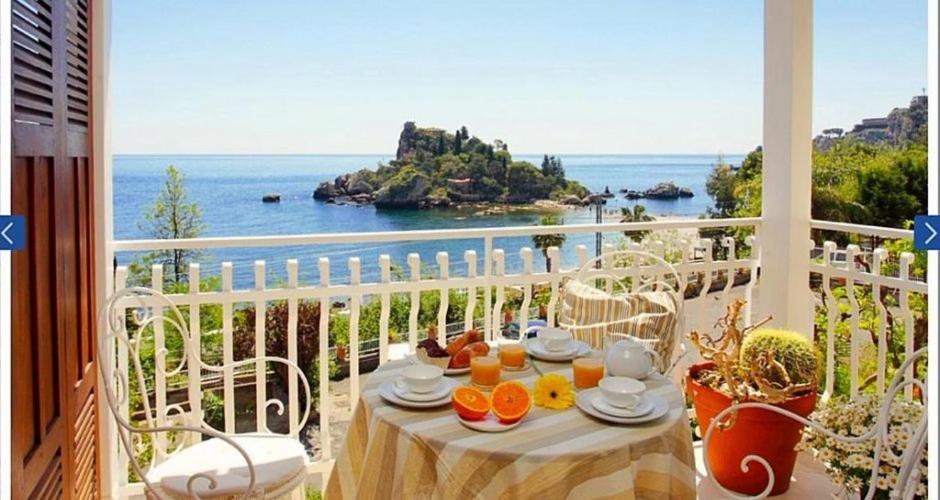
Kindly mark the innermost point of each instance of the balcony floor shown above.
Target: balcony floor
(809, 480)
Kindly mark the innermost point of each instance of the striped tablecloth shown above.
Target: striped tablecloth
(392, 452)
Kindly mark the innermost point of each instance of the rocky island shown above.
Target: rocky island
(661, 191)
(436, 168)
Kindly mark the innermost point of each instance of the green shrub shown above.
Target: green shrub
(213, 408)
(791, 349)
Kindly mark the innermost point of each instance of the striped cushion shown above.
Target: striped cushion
(591, 314)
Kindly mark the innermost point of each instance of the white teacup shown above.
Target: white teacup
(622, 392)
(422, 378)
(554, 339)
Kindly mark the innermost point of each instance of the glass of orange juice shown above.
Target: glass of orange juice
(512, 356)
(484, 371)
(587, 372)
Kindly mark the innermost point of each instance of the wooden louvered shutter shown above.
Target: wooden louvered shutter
(54, 450)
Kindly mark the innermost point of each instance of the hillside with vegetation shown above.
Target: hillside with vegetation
(900, 127)
(858, 178)
(436, 168)
(862, 177)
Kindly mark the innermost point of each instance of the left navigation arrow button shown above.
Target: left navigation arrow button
(12, 232)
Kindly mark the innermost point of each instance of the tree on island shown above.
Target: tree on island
(637, 214)
(172, 216)
(525, 182)
(545, 241)
(551, 167)
(441, 147)
(435, 168)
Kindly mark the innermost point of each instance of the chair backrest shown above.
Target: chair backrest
(625, 293)
(144, 309)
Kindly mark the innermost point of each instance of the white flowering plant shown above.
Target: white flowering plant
(849, 465)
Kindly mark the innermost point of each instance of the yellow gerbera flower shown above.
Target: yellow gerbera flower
(553, 391)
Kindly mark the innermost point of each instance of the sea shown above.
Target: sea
(229, 189)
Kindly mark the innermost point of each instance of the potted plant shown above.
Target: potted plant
(850, 464)
(751, 365)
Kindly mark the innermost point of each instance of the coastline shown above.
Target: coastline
(479, 209)
(570, 214)
(228, 191)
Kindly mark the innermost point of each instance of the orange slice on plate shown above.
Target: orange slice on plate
(510, 401)
(470, 402)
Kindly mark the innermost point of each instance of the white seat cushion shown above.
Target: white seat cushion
(276, 459)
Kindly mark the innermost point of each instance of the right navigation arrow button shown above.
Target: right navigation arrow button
(926, 228)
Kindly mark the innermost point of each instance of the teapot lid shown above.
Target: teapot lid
(628, 340)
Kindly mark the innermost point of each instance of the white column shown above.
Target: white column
(112, 478)
(788, 120)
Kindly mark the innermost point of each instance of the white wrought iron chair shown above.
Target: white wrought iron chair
(627, 293)
(909, 473)
(250, 465)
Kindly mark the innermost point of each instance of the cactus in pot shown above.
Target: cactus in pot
(748, 364)
(780, 363)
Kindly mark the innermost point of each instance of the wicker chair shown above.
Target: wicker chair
(213, 464)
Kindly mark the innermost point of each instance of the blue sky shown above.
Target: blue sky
(234, 76)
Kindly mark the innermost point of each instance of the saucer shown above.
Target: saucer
(537, 349)
(642, 408)
(522, 368)
(387, 392)
(489, 423)
(585, 401)
(402, 391)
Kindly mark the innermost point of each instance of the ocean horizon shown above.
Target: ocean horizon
(228, 189)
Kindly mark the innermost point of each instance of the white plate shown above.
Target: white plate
(489, 424)
(442, 390)
(644, 407)
(536, 344)
(387, 391)
(585, 399)
(536, 349)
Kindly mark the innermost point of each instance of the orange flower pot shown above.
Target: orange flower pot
(755, 432)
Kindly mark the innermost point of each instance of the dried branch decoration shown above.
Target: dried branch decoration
(761, 379)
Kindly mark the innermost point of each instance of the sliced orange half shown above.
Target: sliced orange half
(470, 402)
(510, 401)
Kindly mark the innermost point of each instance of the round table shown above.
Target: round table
(393, 452)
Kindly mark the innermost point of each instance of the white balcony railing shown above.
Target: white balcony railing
(707, 268)
(872, 300)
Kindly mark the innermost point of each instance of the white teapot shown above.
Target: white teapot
(629, 358)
